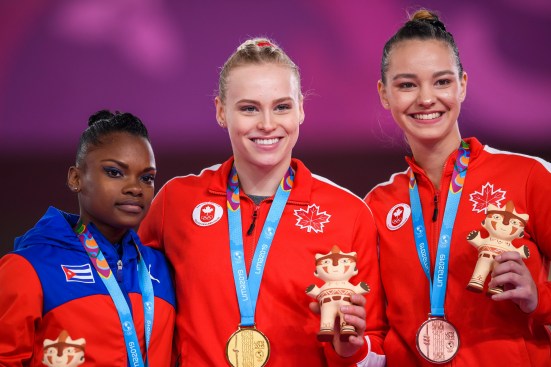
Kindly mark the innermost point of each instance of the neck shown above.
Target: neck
(260, 181)
(432, 155)
(112, 235)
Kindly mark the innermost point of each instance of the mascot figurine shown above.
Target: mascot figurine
(64, 351)
(503, 225)
(335, 268)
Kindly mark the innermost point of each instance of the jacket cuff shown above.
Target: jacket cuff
(542, 313)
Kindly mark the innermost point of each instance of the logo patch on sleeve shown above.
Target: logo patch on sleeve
(207, 213)
(78, 273)
(398, 216)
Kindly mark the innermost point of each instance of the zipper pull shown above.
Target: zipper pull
(251, 228)
(119, 271)
(435, 213)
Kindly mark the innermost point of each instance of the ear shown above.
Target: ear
(483, 222)
(463, 84)
(301, 109)
(220, 112)
(521, 234)
(382, 95)
(73, 179)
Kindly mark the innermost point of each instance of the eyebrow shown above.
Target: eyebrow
(125, 166)
(252, 101)
(413, 76)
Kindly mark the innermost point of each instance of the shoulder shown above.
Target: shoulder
(396, 181)
(516, 158)
(17, 272)
(193, 179)
(335, 190)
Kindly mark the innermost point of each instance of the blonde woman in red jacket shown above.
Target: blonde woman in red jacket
(242, 236)
(464, 232)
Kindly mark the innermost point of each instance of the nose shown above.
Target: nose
(133, 187)
(426, 98)
(267, 122)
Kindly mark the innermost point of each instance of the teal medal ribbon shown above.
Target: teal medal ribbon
(248, 287)
(146, 287)
(439, 283)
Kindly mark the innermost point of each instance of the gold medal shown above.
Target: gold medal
(437, 340)
(247, 347)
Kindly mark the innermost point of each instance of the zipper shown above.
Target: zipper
(253, 223)
(435, 212)
(119, 271)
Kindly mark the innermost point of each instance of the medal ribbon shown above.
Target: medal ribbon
(247, 287)
(438, 285)
(146, 287)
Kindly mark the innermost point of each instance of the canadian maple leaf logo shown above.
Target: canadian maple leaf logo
(207, 213)
(312, 219)
(485, 197)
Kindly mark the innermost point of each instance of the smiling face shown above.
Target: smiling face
(262, 111)
(115, 183)
(424, 91)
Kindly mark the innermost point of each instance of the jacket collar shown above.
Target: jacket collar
(475, 146)
(300, 194)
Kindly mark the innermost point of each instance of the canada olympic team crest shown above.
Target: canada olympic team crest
(398, 216)
(207, 213)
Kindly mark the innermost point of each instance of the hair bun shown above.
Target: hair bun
(427, 16)
(100, 115)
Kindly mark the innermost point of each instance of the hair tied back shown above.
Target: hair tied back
(264, 43)
(436, 23)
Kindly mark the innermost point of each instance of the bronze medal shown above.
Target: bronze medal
(247, 347)
(437, 340)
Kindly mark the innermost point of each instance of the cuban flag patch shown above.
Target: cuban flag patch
(78, 273)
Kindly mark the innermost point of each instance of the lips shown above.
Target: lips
(427, 116)
(130, 206)
(265, 141)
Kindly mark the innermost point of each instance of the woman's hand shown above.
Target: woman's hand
(354, 315)
(518, 284)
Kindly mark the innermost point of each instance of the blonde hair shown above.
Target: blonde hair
(255, 51)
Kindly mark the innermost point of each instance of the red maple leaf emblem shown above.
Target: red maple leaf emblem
(312, 219)
(485, 197)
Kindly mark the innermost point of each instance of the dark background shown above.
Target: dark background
(60, 61)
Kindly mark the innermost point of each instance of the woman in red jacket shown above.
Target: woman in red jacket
(242, 236)
(458, 291)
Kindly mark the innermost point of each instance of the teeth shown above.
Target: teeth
(266, 141)
(427, 116)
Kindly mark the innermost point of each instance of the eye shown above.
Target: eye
(248, 108)
(406, 85)
(326, 262)
(443, 82)
(148, 179)
(515, 222)
(496, 217)
(344, 261)
(283, 107)
(112, 171)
